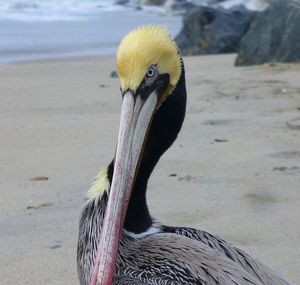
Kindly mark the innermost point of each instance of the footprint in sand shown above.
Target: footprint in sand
(286, 154)
(220, 122)
(40, 206)
(262, 198)
(294, 124)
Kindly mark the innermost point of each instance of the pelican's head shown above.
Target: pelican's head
(149, 68)
(145, 56)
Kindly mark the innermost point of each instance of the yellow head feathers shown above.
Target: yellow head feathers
(143, 47)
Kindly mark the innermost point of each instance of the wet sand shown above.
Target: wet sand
(234, 170)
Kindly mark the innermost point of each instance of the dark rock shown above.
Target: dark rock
(183, 6)
(221, 140)
(155, 2)
(209, 30)
(274, 36)
(122, 2)
(213, 2)
(114, 74)
(55, 246)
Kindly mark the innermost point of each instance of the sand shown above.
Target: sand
(235, 165)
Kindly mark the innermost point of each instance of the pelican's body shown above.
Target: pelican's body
(119, 242)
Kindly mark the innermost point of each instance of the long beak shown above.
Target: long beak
(136, 116)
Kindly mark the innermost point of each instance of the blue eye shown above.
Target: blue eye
(151, 71)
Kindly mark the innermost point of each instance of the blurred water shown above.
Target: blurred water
(39, 29)
(30, 40)
(249, 4)
(54, 10)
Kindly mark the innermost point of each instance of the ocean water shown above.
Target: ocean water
(54, 10)
(44, 29)
(258, 5)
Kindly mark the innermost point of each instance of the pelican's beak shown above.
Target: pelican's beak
(136, 117)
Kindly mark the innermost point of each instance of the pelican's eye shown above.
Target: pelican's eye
(151, 75)
(151, 71)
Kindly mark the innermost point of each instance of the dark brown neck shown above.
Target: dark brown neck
(165, 127)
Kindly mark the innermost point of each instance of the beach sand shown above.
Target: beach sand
(234, 170)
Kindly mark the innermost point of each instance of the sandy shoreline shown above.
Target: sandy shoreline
(236, 160)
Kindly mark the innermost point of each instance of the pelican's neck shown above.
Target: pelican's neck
(138, 218)
(164, 129)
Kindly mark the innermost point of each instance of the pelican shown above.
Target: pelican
(119, 241)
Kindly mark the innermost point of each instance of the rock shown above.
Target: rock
(114, 74)
(220, 140)
(183, 6)
(137, 4)
(103, 85)
(213, 2)
(155, 2)
(208, 30)
(55, 246)
(274, 36)
(39, 178)
(122, 2)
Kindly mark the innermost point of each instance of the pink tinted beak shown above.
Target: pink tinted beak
(136, 117)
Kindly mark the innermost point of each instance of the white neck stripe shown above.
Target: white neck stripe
(150, 231)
